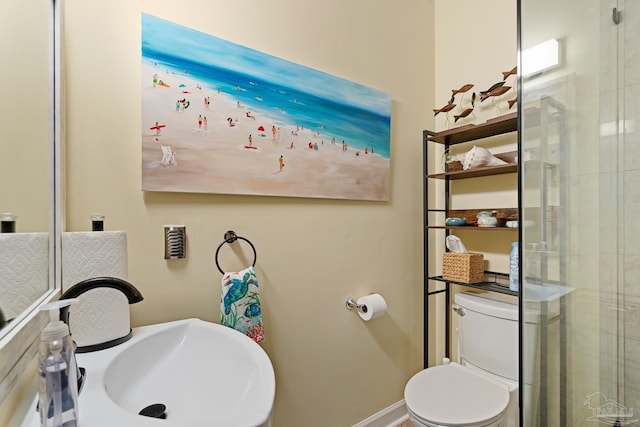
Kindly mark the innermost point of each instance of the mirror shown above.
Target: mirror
(27, 179)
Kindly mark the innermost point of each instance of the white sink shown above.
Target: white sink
(204, 373)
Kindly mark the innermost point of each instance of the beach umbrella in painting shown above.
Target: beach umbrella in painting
(261, 128)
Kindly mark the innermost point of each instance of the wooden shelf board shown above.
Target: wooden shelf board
(499, 125)
(471, 216)
(477, 172)
(471, 227)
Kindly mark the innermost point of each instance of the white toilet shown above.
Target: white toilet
(483, 389)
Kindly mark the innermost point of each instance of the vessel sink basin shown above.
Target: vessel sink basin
(204, 374)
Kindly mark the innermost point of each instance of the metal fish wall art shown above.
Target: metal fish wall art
(496, 92)
(511, 102)
(473, 99)
(463, 89)
(465, 113)
(506, 74)
(444, 109)
(493, 87)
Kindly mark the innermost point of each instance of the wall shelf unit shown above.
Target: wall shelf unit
(434, 217)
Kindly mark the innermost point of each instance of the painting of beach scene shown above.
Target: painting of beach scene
(221, 118)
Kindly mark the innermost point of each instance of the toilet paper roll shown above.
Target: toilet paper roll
(93, 254)
(24, 270)
(371, 306)
(100, 315)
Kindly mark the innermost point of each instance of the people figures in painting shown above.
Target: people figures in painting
(204, 122)
(249, 115)
(155, 79)
(281, 163)
(182, 104)
(273, 131)
(250, 141)
(199, 121)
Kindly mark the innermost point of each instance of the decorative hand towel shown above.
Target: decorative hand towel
(240, 303)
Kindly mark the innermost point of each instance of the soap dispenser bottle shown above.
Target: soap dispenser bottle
(57, 371)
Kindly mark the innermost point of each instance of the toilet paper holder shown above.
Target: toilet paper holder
(351, 303)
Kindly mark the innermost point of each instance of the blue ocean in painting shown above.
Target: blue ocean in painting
(288, 93)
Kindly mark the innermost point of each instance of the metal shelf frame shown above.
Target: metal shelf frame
(498, 126)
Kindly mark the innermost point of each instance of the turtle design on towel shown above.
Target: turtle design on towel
(240, 303)
(237, 291)
(252, 310)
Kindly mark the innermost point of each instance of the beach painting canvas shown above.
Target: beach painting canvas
(221, 118)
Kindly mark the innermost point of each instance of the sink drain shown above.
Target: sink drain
(157, 410)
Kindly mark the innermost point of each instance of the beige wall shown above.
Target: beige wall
(331, 368)
(475, 43)
(24, 113)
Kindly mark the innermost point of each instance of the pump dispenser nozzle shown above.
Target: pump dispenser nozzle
(56, 328)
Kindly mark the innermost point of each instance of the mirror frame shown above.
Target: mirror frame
(19, 344)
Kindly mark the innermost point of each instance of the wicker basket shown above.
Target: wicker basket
(464, 268)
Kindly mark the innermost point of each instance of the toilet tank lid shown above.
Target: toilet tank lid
(495, 305)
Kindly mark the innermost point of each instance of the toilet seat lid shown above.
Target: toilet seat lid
(455, 396)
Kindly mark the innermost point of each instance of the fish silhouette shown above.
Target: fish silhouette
(252, 310)
(463, 89)
(493, 87)
(511, 102)
(444, 109)
(237, 291)
(496, 92)
(465, 113)
(506, 74)
(473, 99)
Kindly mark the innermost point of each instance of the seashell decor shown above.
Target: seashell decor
(480, 156)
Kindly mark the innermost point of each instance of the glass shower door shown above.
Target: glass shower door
(579, 198)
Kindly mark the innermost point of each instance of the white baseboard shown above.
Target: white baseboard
(391, 416)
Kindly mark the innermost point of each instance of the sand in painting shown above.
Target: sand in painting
(211, 157)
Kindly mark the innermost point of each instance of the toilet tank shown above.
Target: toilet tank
(488, 332)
